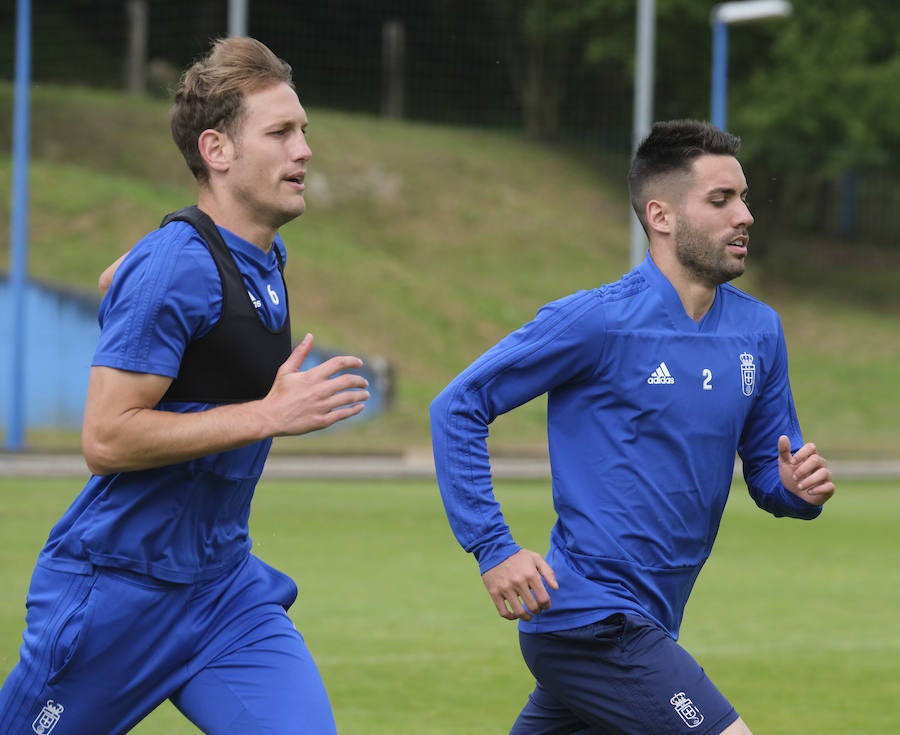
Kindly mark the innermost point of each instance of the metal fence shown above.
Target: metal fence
(444, 62)
(440, 61)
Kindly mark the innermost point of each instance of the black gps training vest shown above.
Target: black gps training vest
(238, 358)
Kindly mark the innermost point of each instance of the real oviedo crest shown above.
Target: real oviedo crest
(748, 374)
(47, 719)
(687, 710)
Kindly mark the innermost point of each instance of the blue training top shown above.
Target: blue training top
(189, 521)
(646, 409)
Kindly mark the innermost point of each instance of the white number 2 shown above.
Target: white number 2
(707, 379)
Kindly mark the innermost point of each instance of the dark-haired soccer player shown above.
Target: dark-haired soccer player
(146, 588)
(653, 383)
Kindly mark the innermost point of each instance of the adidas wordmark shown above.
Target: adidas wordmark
(661, 376)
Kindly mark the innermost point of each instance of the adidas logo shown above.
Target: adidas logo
(661, 376)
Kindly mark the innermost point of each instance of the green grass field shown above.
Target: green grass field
(795, 621)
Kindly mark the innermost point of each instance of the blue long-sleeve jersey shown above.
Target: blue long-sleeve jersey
(646, 410)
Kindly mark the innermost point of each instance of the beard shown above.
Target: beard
(707, 261)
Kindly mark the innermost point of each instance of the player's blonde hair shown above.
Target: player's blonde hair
(211, 93)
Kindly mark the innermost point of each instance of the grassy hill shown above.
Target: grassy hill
(425, 244)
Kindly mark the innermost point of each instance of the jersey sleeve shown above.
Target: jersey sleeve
(165, 293)
(531, 361)
(773, 415)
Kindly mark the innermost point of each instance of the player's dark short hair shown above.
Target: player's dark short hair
(671, 148)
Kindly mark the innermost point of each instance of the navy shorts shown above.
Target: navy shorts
(621, 676)
(102, 650)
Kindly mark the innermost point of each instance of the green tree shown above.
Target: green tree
(539, 39)
(821, 119)
(829, 100)
(548, 42)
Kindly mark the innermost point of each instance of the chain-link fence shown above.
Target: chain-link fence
(449, 61)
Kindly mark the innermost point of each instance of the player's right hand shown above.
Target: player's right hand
(309, 400)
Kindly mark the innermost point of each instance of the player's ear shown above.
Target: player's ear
(660, 216)
(216, 148)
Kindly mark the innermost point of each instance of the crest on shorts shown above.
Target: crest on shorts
(687, 711)
(47, 719)
(748, 373)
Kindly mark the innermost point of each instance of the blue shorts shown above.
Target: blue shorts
(103, 650)
(621, 676)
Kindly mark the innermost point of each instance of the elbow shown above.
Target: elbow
(96, 461)
(99, 455)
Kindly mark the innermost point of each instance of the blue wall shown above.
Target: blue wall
(61, 334)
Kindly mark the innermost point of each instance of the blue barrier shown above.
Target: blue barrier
(61, 336)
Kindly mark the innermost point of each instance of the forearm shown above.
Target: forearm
(125, 431)
(144, 438)
(462, 467)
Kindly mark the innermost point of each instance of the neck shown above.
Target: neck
(696, 297)
(232, 217)
(696, 300)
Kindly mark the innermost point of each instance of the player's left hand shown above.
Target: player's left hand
(516, 585)
(805, 473)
